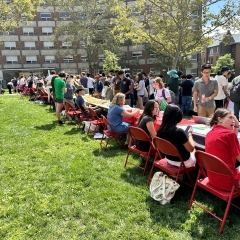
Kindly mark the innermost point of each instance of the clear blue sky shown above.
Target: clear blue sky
(216, 6)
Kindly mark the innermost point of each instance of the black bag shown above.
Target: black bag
(235, 93)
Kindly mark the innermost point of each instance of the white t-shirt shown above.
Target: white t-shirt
(159, 95)
(22, 81)
(49, 78)
(90, 82)
(222, 81)
(35, 79)
(151, 86)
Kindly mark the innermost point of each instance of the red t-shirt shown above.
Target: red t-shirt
(223, 143)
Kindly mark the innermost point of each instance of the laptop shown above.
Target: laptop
(201, 120)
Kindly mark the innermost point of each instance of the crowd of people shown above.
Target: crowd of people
(147, 93)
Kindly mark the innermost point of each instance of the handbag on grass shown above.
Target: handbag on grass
(163, 188)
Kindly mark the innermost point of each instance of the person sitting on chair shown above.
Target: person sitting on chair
(223, 143)
(146, 123)
(80, 102)
(116, 113)
(177, 136)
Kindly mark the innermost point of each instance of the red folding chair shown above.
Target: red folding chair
(95, 121)
(43, 95)
(168, 148)
(110, 133)
(82, 116)
(215, 165)
(138, 134)
(71, 111)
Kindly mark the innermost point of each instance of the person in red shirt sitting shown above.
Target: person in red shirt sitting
(223, 143)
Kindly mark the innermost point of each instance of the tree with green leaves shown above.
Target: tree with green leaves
(88, 33)
(110, 62)
(224, 60)
(172, 28)
(10, 12)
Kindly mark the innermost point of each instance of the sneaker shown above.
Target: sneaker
(60, 122)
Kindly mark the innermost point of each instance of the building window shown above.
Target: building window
(66, 45)
(153, 55)
(137, 54)
(45, 16)
(47, 30)
(31, 59)
(23, 16)
(84, 70)
(10, 45)
(10, 32)
(81, 15)
(211, 51)
(84, 59)
(68, 59)
(64, 15)
(194, 71)
(49, 59)
(193, 57)
(195, 14)
(29, 45)
(12, 59)
(154, 71)
(136, 71)
(48, 45)
(101, 57)
(28, 31)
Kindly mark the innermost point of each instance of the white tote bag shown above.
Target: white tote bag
(163, 188)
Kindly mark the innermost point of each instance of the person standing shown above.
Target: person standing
(140, 90)
(204, 91)
(98, 86)
(49, 77)
(222, 87)
(10, 86)
(69, 92)
(84, 80)
(174, 83)
(90, 83)
(186, 86)
(108, 88)
(151, 86)
(125, 87)
(116, 83)
(59, 88)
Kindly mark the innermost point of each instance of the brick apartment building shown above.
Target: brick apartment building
(225, 43)
(31, 49)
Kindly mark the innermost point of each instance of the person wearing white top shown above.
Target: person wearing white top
(49, 78)
(90, 83)
(222, 87)
(150, 86)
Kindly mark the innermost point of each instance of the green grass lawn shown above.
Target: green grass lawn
(57, 183)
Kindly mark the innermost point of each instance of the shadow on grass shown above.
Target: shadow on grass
(73, 131)
(133, 174)
(197, 222)
(47, 127)
(112, 149)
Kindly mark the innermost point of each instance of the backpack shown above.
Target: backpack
(172, 95)
(235, 93)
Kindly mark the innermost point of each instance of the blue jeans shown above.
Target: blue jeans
(186, 103)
